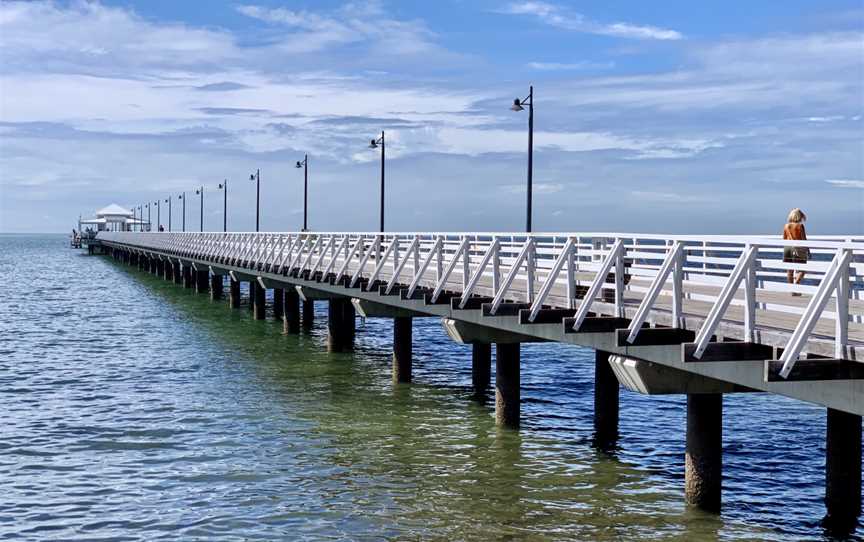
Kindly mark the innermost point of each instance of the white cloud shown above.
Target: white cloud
(564, 66)
(846, 183)
(560, 17)
(536, 188)
(666, 197)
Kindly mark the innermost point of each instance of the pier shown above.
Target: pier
(700, 316)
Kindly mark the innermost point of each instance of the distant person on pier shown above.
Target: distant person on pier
(161, 227)
(794, 230)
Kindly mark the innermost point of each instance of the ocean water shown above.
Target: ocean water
(133, 409)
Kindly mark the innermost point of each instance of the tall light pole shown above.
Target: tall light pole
(148, 216)
(305, 165)
(257, 178)
(158, 215)
(133, 219)
(374, 145)
(224, 186)
(183, 197)
(168, 201)
(518, 106)
(201, 191)
(141, 218)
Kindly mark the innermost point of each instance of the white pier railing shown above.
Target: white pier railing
(691, 282)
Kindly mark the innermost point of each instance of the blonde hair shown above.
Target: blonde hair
(796, 215)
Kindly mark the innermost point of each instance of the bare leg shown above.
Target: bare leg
(800, 277)
(789, 276)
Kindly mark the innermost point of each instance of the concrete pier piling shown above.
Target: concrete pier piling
(252, 287)
(402, 349)
(481, 367)
(216, 286)
(606, 397)
(309, 313)
(842, 472)
(278, 303)
(340, 324)
(177, 273)
(291, 310)
(507, 385)
(187, 276)
(202, 281)
(259, 300)
(703, 462)
(234, 293)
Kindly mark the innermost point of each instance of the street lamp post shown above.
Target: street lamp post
(148, 216)
(133, 219)
(183, 197)
(374, 145)
(257, 178)
(305, 165)
(201, 191)
(140, 218)
(518, 106)
(224, 186)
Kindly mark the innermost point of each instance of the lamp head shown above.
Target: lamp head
(373, 144)
(252, 177)
(517, 105)
(221, 186)
(197, 192)
(299, 165)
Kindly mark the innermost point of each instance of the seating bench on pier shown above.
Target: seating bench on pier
(697, 315)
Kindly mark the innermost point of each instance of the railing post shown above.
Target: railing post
(530, 268)
(496, 266)
(750, 297)
(678, 288)
(466, 265)
(841, 333)
(571, 276)
(619, 282)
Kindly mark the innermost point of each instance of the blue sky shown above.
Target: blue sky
(696, 117)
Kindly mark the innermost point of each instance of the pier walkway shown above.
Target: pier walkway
(696, 315)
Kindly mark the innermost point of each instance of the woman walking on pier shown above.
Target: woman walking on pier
(794, 230)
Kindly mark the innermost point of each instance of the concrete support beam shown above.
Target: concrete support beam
(340, 324)
(234, 293)
(259, 300)
(842, 472)
(606, 396)
(402, 354)
(703, 461)
(507, 385)
(187, 277)
(202, 281)
(278, 303)
(216, 286)
(481, 367)
(291, 310)
(309, 312)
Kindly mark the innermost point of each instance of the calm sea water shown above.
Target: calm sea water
(133, 409)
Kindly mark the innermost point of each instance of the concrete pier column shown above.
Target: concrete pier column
(308, 313)
(507, 392)
(291, 309)
(842, 472)
(703, 461)
(606, 394)
(216, 286)
(278, 303)
(340, 324)
(402, 354)
(253, 285)
(187, 276)
(167, 269)
(202, 281)
(177, 272)
(258, 303)
(234, 293)
(481, 367)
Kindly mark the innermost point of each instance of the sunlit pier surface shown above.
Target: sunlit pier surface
(697, 315)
